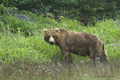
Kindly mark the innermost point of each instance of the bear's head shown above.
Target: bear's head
(51, 36)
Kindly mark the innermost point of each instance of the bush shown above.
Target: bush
(74, 9)
(24, 22)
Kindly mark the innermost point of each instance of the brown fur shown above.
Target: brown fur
(79, 43)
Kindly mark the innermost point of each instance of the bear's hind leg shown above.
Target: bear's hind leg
(93, 55)
(104, 58)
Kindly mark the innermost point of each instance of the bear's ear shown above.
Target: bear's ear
(45, 30)
(57, 29)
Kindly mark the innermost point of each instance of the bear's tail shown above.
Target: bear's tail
(104, 52)
(104, 56)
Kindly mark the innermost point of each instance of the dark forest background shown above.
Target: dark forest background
(74, 9)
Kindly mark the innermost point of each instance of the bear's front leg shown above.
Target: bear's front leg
(62, 53)
(66, 57)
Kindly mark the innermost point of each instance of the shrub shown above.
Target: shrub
(16, 21)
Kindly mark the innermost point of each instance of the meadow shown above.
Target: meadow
(24, 55)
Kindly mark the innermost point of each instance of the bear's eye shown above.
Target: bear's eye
(48, 36)
(53, 36)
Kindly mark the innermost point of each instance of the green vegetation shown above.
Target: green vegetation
(24, 55)
(75, 9)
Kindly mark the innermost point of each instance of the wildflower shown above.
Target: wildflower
(3, 11)
(31, 51)
(0, 18)
(16, 15)
(21, 15)
(24, 17)
(27, 12)
(28, 23)
(35, 28)
(35, 19)
(41, 11)
(15, 10)
(44, 16)
(30, 20)
(12, 11)
(33, 9)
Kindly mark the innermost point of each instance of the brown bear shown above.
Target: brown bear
(79, 43)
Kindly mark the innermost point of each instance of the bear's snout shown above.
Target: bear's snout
(51, 40)
(51, 43)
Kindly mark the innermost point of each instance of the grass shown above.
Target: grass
(78, 71)
(31, 58)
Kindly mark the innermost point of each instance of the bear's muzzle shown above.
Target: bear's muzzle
(51, 40)
(51, 43)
